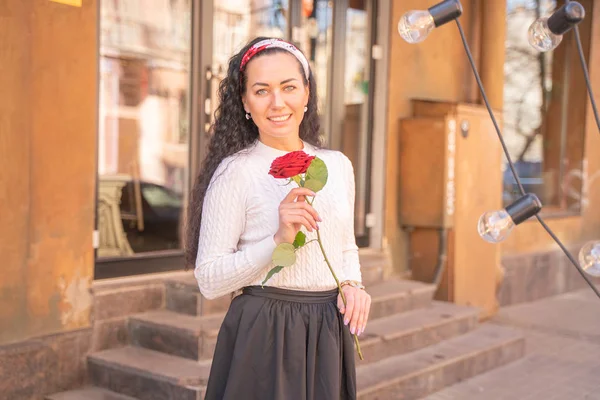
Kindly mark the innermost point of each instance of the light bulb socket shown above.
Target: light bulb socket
(524, 208)
(566, 17)
(445, 11)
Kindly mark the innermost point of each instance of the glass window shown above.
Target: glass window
(544, 110)
(143, 124)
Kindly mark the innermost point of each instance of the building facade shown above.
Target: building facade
(106, 108)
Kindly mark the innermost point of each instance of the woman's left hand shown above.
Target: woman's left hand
(356, 312)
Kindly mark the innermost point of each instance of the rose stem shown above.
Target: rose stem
(338, 284)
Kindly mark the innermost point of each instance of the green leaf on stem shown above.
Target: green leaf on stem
(272, 272)
(299, 240)
(297, 179)
(316, 175)
(284, 255)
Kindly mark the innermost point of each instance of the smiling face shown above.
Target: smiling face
(275, 97)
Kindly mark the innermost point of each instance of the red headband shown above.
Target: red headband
(278, 43)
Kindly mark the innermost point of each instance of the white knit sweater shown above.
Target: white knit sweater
(240, 216)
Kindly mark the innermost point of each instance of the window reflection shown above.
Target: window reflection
(544, 110)
(143, 124)
(355, 137)
(316, 38)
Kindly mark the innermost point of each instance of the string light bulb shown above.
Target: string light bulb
(589, 258)
(414, 26)
(546, 33)
(495, 226)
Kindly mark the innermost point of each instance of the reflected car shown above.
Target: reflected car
(161, 211)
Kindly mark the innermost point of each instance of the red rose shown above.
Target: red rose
(291, 164)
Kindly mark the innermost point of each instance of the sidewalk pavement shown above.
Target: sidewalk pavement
(562, 360)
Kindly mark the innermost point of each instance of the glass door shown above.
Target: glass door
(337, 38)
(357, 121)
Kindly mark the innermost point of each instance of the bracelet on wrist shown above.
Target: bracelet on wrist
(354, 284)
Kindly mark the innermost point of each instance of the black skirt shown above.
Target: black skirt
(278, 344)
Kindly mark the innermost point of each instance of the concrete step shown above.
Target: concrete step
(389, 297)
(425, 371)
(195, 337)
(398, 295)
(375, 265)
(182, 295)
(147, 374)
(409, 331)
(89, 393)
(176, 334)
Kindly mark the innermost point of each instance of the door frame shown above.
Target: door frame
(379, 132)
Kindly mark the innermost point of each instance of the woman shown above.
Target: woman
(286, 340)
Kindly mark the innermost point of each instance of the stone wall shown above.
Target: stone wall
(533, 276)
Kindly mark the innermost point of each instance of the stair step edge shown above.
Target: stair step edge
(419, 319)
(406, 285)
(89, 393)
(154, 364)
(372, 260)
(491, 341)
(191, 324)
(395, 288)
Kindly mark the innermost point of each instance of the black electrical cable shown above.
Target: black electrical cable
(510, 163)
(586, 74)
(489, 108)
(569, 255)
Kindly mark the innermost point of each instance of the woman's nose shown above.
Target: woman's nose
(277, 100)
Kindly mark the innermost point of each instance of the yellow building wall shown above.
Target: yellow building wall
(437, 69)
(48, 103)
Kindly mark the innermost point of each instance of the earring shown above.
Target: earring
(305, 108)
(248, 116)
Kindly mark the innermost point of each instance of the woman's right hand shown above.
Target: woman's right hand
(295, 212)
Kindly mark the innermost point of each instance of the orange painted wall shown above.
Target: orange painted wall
(48, 103)
(435, 69)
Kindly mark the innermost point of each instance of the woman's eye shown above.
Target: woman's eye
(289, 88)
(261, 92)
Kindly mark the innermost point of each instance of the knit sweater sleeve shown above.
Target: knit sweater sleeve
(222, 268)
(351, 263)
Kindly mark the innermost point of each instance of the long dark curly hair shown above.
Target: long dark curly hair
(232, 132)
